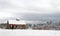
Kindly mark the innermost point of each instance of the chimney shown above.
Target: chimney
(7, 22)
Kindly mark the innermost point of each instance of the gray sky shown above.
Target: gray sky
(11, 8)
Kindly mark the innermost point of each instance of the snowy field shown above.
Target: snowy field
(28, 32)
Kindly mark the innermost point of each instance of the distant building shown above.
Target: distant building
(13, 24)
(49, 22)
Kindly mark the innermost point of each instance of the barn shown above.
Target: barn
(14, 24)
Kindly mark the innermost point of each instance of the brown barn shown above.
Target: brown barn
(13, 24)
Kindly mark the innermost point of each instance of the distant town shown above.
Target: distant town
(18, 24)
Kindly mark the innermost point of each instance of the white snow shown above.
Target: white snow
(16, 22)
(28, 32)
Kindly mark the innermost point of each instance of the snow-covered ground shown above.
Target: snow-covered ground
(28, 32)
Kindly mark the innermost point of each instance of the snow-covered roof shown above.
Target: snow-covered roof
(16, 22)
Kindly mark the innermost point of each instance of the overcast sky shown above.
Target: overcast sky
(13, 8)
